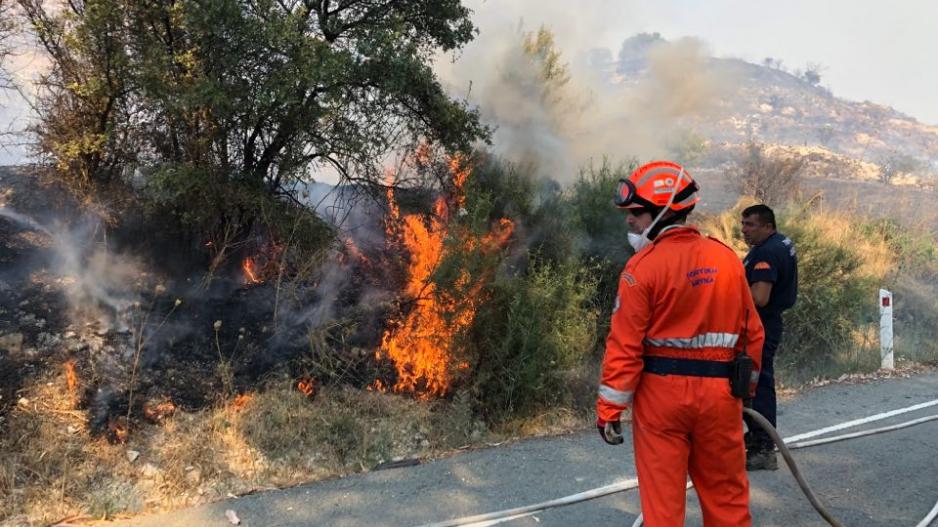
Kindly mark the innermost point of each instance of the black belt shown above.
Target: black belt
(689, 367)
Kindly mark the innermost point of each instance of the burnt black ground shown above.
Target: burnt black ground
(183, 351)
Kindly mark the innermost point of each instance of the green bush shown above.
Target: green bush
(534, 340)
(230, 215)
(603, 232)
(603, 227)
(844, 259)
(835, 298)
(531, 338)
(914, 247)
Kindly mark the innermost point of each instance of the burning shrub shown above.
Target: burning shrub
(546, 311)
(447, 262)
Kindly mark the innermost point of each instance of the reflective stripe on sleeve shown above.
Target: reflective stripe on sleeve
(754, 376)
(705, 340)
(615, 396)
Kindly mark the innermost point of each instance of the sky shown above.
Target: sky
(884, 52)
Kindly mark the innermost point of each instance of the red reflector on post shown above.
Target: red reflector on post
(886, 301)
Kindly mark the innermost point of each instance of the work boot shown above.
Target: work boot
(761, 460)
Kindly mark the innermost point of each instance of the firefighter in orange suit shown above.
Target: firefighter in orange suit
(683, 313)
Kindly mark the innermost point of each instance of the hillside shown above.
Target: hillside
(775, 106)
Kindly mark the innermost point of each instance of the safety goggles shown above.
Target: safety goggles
(625, 193)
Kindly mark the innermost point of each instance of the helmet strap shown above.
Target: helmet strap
(651, 232)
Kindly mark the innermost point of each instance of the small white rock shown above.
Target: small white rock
(194, 477)
(71, 429)
(23, 401)
(150, 471)
(232, 517)
(132, 455)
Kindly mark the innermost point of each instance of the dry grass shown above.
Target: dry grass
(53, 469)
(838, 228)
(898, 258)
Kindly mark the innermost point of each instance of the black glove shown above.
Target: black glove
(611, 431)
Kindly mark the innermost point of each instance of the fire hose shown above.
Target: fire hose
(797, 441)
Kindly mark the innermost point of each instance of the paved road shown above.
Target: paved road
(884, 480)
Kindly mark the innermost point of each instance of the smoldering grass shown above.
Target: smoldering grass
(141, 338)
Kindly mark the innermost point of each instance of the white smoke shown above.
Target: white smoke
(98, 284)
(598, 113)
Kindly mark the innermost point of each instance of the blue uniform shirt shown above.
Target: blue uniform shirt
(774, 261)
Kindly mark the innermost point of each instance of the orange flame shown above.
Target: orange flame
(118, 430)
(241, 402)
(421, 342)
(307, 386)
(249, 273)
(263, 265)
(158, 411)
(71, 377)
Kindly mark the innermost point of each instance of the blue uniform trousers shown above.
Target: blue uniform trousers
(764, 401)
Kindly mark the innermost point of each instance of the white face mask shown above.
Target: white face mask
(640, 241)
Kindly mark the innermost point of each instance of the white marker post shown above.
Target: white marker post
(885, 329)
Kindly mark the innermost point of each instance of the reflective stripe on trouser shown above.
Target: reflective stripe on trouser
(690, 424)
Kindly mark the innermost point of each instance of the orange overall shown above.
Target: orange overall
(685, 297)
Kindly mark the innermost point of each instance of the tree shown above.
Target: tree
(633, 55)
(812, 74)
(773, 180)
(553, 74)
(897, 164)
(773, 63)
(7, 28)
(84, 102)
(534, 103)
(199, 97)
(825, 133)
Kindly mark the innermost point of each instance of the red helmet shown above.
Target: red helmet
(652, 186)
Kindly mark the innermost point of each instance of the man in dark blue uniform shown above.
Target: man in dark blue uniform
(772, 272)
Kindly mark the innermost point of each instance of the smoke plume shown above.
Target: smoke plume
(557, 110)
(98, 284)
